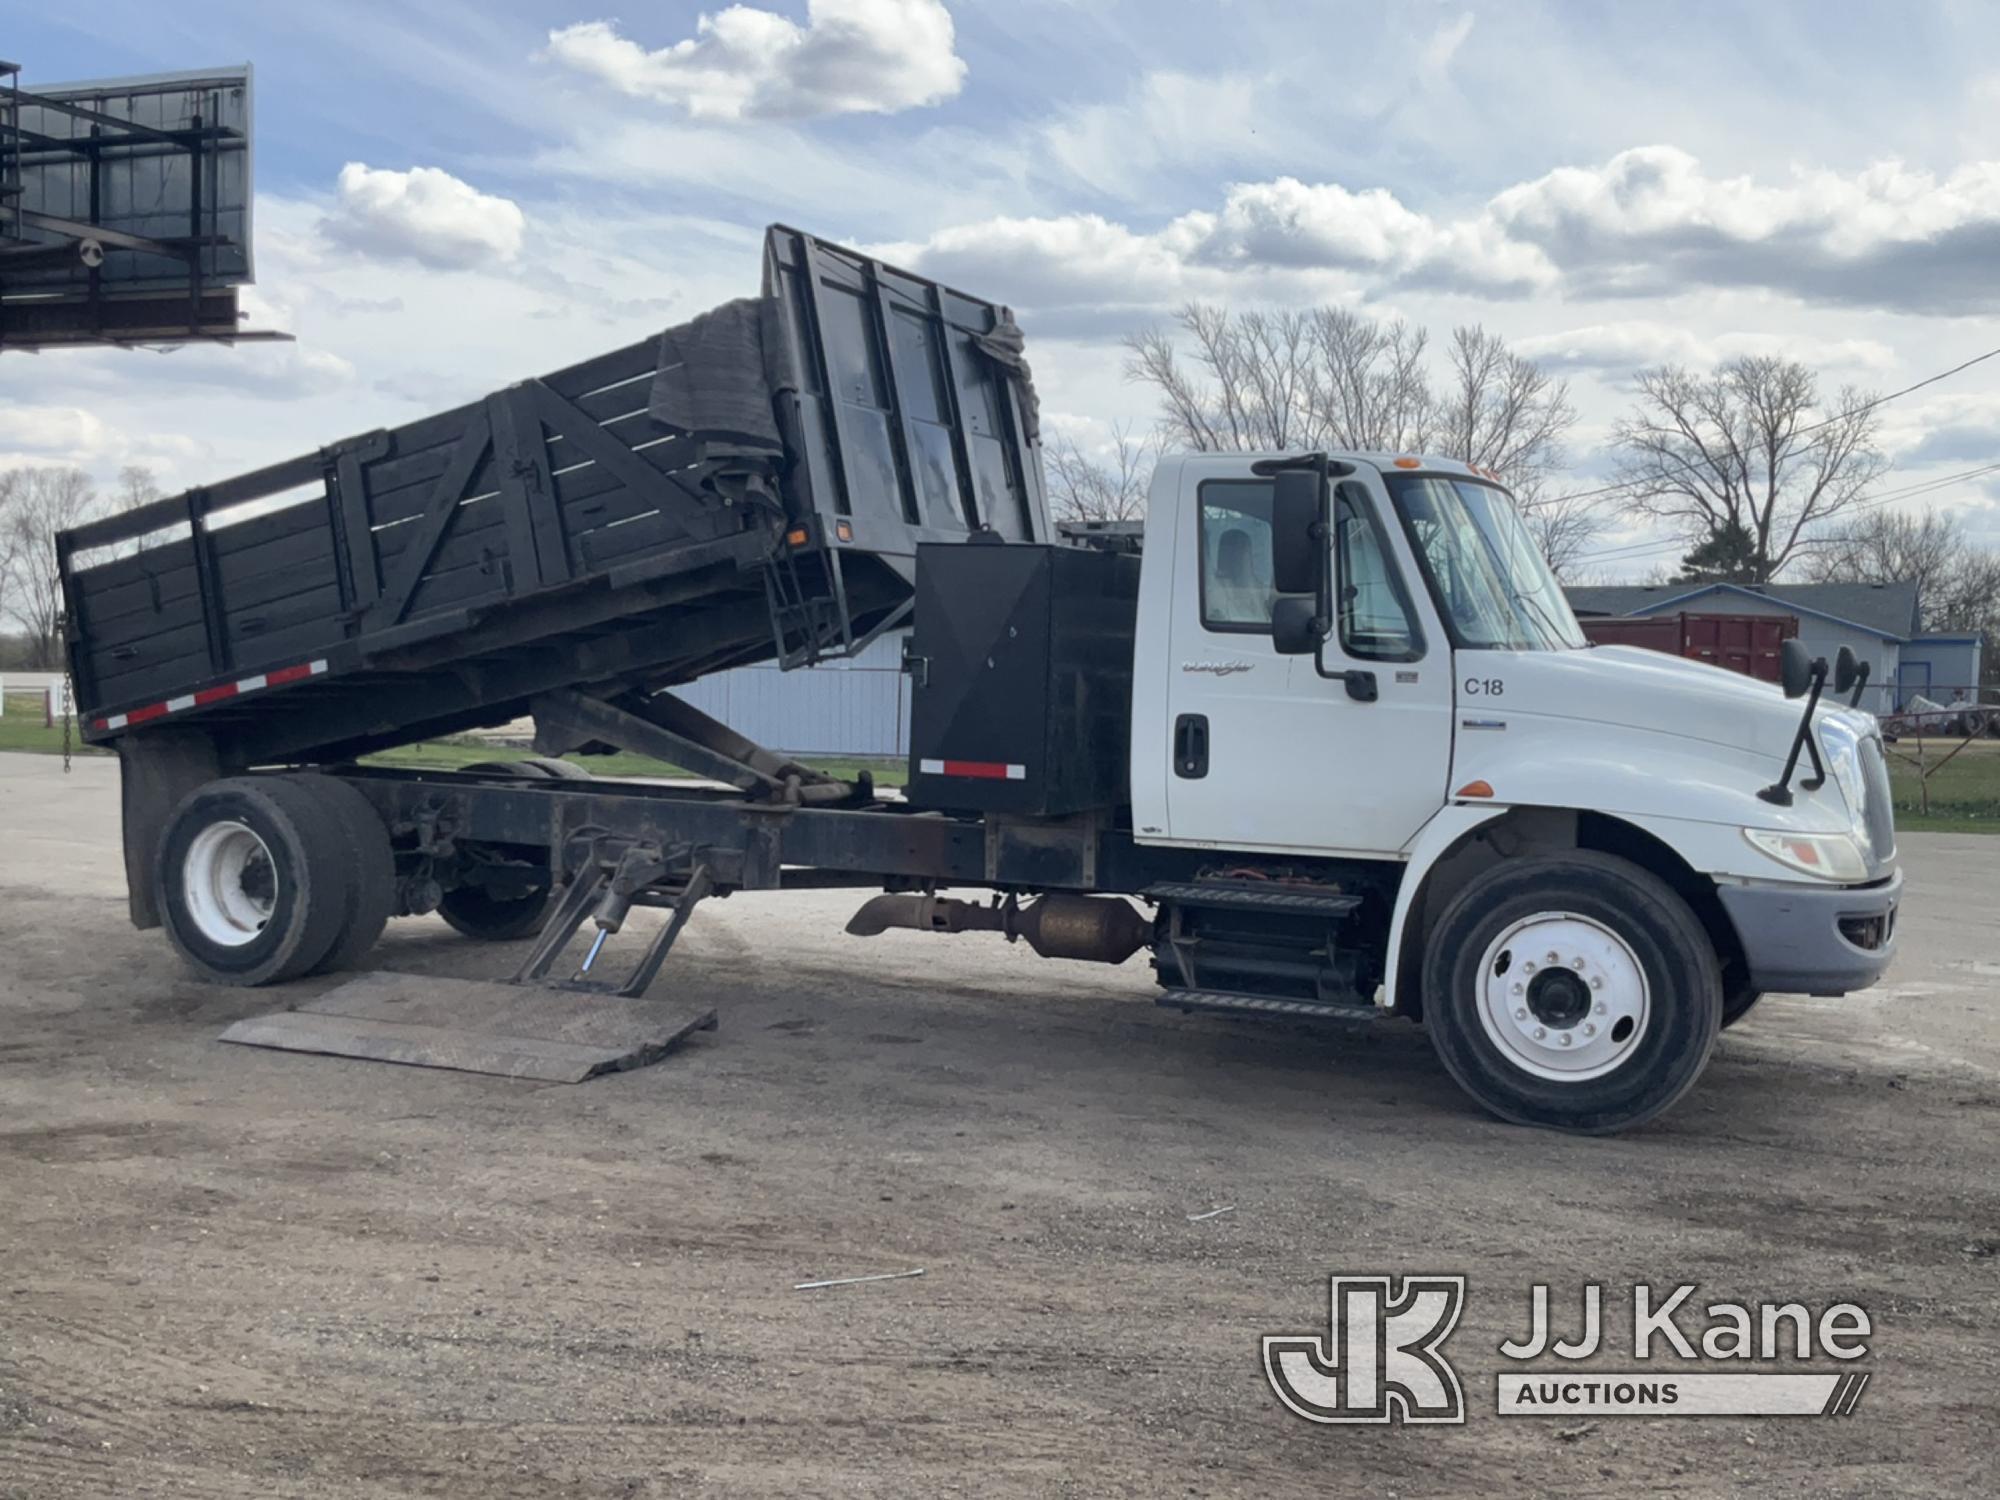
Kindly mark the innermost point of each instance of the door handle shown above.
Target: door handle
(1361, 685)
(1191, 746)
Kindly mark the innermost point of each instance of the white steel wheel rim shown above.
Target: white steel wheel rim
(1563, 997)
(230, 882)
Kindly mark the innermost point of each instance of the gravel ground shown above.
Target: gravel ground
(226, 1272)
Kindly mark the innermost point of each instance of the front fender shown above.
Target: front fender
(1441, 834)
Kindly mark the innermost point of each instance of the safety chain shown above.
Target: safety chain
(68, 707)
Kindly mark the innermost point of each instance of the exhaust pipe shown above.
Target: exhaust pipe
(1094, 929)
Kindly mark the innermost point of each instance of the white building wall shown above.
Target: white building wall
(859, 706)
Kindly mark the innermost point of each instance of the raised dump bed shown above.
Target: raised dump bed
(752, 484)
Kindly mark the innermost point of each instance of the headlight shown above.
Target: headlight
(1829, 856)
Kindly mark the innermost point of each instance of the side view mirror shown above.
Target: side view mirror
(1295, 629)
(1298, 531)
(1794, 668)
(1846, 667)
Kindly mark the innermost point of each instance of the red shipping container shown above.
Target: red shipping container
(1742, 643)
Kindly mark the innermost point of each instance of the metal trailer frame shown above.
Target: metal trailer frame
(612, 845)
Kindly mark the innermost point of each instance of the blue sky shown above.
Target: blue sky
(454, 195)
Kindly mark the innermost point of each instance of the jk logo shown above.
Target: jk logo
(1381, 1361)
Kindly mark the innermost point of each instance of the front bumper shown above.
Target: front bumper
(1815, 940)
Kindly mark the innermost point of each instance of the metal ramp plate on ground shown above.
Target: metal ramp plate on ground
(478, 1026)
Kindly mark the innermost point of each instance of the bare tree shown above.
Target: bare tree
(1502, 411)
(1746, 447)
(1369, 389)
(1244, 384)
(1958, 581)
(137, 486)
(43, 502)
(1334, 378)
(1110, 487)
(1564, 526)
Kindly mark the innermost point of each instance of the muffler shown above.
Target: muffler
(1094, 929)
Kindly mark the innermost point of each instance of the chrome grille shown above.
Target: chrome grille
(1877, 809)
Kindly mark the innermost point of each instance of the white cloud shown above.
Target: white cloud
(425, 215)
(71, 435)
(1621, 347)
(1652, 219)
(1648, 221)
(850, 57)
(1961, 430)
(1288, 223)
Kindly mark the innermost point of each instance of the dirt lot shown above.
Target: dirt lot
(229, 1272)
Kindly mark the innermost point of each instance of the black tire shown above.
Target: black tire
(1738, 1000)
(556, 770)
(1657, 930)
(372, 896)
(301, 877)
(478, 913)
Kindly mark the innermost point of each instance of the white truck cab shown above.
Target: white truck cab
(1604, 854)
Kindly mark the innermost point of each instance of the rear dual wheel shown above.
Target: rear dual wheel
(1573, 991)
(502, 914)
(261, 879)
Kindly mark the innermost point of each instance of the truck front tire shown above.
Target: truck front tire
(254, 879)
(1573, 991)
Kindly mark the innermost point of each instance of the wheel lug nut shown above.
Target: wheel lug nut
(1517, 989)
(1554, 957)
(1597, 983)
(1528, 967)
(1565, 1038)
(1600, 1007)
(1541, 1035)
(1521, 1015)
(1576, 963)
(1589, 1029)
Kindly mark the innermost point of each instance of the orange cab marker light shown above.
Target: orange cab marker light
(796, 536)
(1409, 463)
(843, 530)
(1475, 789)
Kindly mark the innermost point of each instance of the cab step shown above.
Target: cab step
(1232, 1003)
(1255, 895)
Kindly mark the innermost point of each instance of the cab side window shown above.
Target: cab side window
(1235, 538)
(1375, 622)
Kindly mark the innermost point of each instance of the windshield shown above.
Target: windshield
(1490, 578)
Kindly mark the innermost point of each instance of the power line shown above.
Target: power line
(1633, 484)
(1885, 400)
(1634, 550)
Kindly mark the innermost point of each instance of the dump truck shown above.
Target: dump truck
(1323, 739)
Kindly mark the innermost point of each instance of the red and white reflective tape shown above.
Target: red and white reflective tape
(978, 770)
(209, 695)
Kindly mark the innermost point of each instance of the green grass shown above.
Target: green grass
(21, 729)
(1964, 792)
(456, 754)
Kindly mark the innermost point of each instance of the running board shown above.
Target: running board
(1230, 1003)
(1255, 895)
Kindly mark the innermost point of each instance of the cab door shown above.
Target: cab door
(1344, 754)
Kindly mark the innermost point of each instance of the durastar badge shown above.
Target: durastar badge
(1219, 668)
